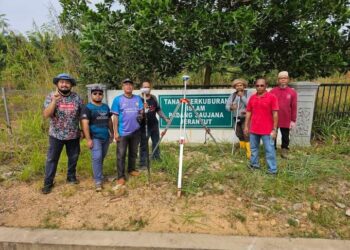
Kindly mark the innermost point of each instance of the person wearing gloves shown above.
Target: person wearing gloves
(287, 114)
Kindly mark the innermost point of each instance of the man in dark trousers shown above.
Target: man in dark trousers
(63, 108)
(287, 114)
(152, 108)
(127, 111)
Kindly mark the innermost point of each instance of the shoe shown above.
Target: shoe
(271, 173)
(74, 181)
(98, 187)
(284, 153)
(251, 167)
(143, 168)
(47, 189)
(120, 183)
(134, 173)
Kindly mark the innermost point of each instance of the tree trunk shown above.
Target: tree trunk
(207, 75)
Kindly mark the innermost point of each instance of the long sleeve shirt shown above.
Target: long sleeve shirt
(287, 102)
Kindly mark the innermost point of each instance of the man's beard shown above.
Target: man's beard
(99, 101)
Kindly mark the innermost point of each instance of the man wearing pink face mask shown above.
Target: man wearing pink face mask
(287, 114)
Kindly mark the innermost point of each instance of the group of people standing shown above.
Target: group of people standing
(259, 116)
(124, 122)
(132, 120)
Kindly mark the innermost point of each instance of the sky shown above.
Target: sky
(21, 14)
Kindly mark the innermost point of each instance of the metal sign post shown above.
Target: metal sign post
(8, 124)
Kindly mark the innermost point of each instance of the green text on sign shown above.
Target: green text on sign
(210, 108)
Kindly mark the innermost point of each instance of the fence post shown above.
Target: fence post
(8, 124)
(301, 135)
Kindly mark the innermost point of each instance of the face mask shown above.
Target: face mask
(145, 91)
(64, 91)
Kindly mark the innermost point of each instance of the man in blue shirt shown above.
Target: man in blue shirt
(127, 112)
(98, 129)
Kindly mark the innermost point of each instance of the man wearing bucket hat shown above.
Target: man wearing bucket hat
(287, 114)
(126, 116)
(63, 108)
(237, 103)
(98, 129)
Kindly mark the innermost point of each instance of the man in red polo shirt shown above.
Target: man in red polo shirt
(287, 114)
(261, 123)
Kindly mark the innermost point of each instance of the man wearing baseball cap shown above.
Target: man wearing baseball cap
(63, 108)
(126, 116)
(287, 114)
(98, 129)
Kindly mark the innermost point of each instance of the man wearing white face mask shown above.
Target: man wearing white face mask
(152, 108)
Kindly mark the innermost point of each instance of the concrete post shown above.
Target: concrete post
(307, 91)
(103, 86)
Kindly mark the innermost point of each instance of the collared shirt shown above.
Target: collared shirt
(64, 124)
(287, 102)
(261, 108)
(128, 110)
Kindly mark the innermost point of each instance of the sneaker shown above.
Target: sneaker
(253, 168)
(74, 181)
(47, 189)
(134, 173)
(271, 173)
(98, 187)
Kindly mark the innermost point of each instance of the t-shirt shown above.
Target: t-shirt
(98, 117)
(287, 102)
(261, 108)
(128, 110)
(64, 124)
(153, 108)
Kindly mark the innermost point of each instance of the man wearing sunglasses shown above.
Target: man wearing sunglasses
(98, 129)
(261, 124)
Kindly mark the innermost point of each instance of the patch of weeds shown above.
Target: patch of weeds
(69, 191)
(325, 217)
(234, 215)
(52, 218)
(293, 222)
(136, 224)
(191, 217)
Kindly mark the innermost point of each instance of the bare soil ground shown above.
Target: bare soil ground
(155, 208)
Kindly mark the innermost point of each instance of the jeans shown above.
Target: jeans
(130, 143)
(270, 153)
(98, 153)
(53, 155)
(153, 132)
(285, 138)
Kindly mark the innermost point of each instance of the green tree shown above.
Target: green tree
(160, 38)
